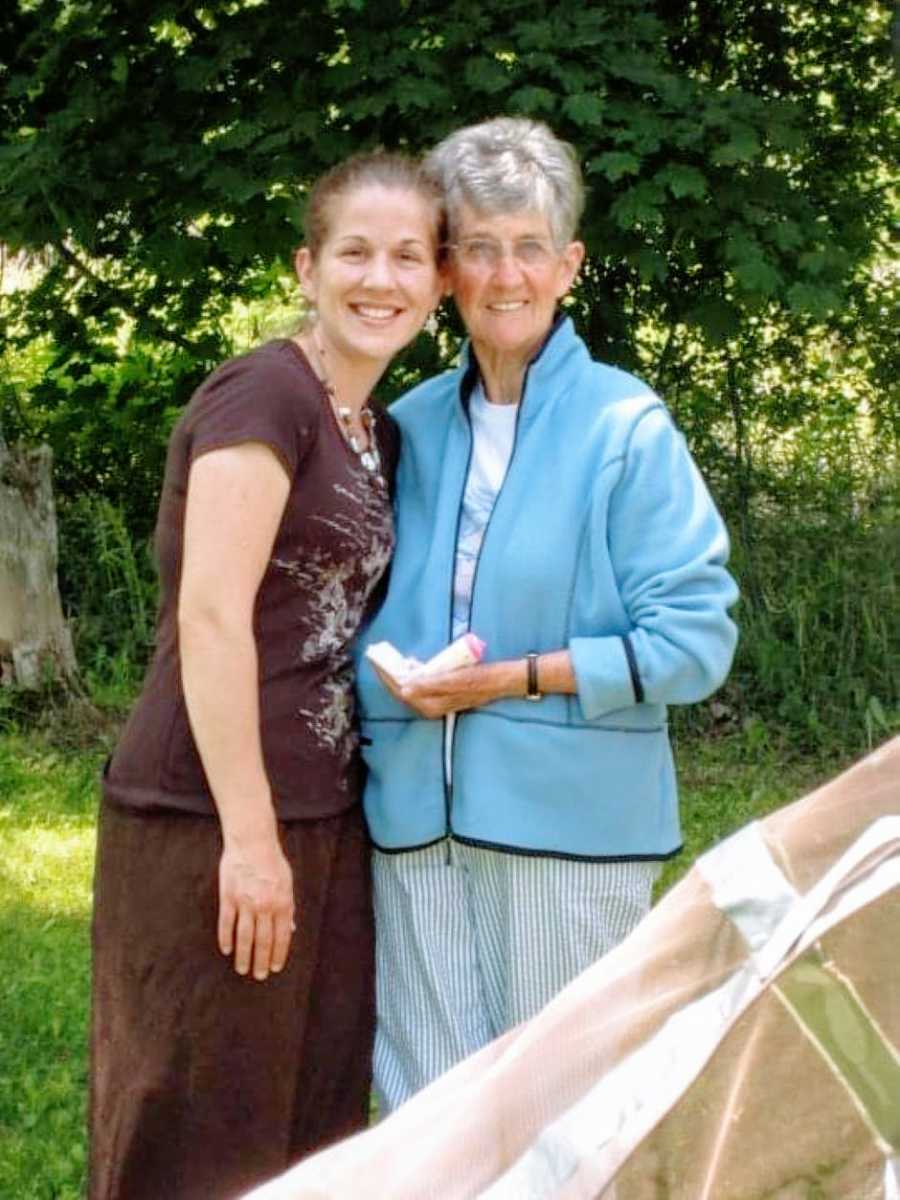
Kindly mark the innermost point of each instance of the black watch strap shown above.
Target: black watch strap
(532, 691)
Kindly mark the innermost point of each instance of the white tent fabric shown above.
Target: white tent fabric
(742, 1044)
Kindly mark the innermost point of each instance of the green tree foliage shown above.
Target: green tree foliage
(160, 148)
(737, 154)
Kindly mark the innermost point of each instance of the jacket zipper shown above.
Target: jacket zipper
(447, 751)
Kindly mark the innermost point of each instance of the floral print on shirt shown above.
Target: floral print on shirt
(337, 579)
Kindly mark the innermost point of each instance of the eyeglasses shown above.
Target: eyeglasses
(488, 253)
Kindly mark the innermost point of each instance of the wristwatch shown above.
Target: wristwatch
(532, 691)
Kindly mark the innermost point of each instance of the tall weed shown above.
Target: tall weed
(819, 655)
(108, 585)
(818, 661)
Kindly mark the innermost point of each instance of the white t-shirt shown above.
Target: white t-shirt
(493, 434)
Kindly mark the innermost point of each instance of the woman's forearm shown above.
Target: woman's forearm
(555, 673)
(510, 677)
(221, 688)
(256, 886)
(235, 501)
(434, 696)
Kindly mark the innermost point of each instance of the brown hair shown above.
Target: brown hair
(390, 170)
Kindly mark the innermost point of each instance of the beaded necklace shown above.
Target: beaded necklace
(370, 458)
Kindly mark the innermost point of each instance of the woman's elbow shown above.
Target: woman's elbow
(714, 663)
(202, 619)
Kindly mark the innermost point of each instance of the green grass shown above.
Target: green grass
(726, 782)
(47, 810)
(47, 805)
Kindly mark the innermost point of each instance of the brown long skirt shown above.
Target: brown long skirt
(203, 1082)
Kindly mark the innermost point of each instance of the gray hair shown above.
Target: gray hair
(510, 164)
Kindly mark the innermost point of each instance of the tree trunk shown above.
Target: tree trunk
(35, 643)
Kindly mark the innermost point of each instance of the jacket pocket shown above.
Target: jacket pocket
(592, 792)
(404, 791)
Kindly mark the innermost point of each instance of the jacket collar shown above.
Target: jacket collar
(561, 348)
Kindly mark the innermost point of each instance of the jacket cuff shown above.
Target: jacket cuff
(603, 675)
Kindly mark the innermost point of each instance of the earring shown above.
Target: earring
(431, 324)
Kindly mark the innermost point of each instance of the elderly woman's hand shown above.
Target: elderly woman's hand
(434, 696)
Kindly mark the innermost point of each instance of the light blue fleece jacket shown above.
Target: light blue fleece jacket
(603, 540)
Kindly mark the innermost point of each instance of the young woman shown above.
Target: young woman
(232, 936)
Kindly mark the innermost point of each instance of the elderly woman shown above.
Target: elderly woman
(520, 807)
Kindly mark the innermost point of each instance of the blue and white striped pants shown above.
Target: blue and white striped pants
(467, 949)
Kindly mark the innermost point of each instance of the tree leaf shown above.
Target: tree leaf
(651, 265)
(682, 180)
(718, 319)
(786, 234)
(638, 206)
(533, 100)
(809, 299)
(615, 164)
(813, 261)
(485, 75)
(756, 274)
(742, 146)
(584, 108)
(120, 68)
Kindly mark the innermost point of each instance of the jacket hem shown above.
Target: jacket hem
(529, 852)
(594, 726)
(409, 849)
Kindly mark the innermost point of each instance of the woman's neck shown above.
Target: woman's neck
(502, 375)
(504, 386)
(351, 381)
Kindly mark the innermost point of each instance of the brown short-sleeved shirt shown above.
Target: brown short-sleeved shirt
(331, 549)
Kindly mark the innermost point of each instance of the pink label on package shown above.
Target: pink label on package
(464, 652)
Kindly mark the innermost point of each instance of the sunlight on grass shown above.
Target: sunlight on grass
(47, 809)
(47, 870)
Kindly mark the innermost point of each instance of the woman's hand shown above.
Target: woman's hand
(434, 696)
(256, 905)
